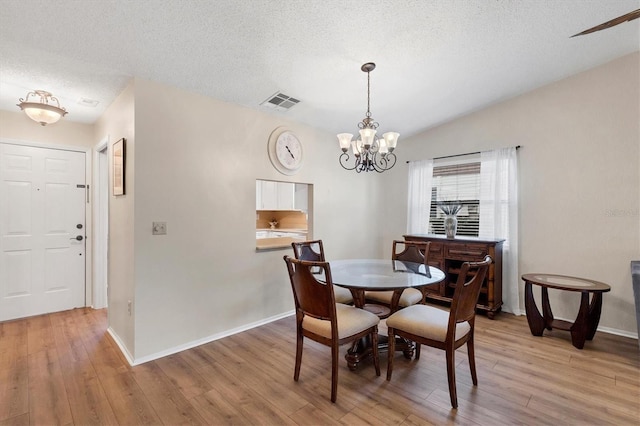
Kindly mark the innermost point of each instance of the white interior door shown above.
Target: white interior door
(42, 230)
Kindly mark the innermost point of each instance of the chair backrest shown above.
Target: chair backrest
(309, 250)
(467, 291)
(312, 297)
(412, 251)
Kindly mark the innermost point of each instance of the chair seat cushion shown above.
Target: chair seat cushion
(410, 296)
(351, 320)
(426, 321)
(342, 295)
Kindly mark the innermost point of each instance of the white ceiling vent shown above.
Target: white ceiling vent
(88, 102)
(280, 102)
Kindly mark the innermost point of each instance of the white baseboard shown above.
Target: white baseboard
(617, 332)
(121, 345)
(137, 361)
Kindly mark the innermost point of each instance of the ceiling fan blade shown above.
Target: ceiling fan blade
(619, 20)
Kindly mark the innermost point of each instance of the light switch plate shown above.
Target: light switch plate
(159, 228)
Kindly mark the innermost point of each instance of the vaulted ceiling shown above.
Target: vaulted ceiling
(436, 59)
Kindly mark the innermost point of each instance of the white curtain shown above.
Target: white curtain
(419, 205)
(499, 216)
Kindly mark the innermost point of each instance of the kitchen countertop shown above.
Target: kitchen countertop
(269, 243)
(300, 231)
(275, 243)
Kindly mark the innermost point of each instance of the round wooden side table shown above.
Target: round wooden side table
(585, 325)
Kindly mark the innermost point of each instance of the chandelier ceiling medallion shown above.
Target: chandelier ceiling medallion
(42, 111)
(370, 151)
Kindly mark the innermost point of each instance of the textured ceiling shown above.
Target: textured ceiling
(436, 59)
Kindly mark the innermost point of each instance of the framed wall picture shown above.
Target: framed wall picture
(118, 161)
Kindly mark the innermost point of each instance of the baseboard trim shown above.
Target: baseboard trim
(618, 332)
(137, 361)
(121, 345)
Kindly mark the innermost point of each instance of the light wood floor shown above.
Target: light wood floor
(63, 368)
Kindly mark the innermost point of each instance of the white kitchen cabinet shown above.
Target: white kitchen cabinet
(259, 195)
(301, 197)
(269, 195)
(272, 195)
(285, 191)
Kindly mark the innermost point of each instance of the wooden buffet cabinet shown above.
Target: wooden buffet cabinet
(448, 254)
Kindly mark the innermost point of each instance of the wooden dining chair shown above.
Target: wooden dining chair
(431, 326)
(314, 250)
(321, 319)
(408, 251)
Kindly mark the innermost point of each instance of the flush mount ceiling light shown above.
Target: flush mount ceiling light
(42, 111)
(370, 152)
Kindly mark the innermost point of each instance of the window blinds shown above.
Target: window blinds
(456, 179)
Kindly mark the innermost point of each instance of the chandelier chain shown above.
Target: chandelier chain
(368, 94)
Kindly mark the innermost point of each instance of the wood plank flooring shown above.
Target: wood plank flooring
(64, 369)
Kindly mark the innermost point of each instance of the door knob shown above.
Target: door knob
(79, 238)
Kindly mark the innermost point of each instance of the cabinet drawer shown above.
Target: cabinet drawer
(434, 289)
(437, 263)
(435, 250)
(466, 252)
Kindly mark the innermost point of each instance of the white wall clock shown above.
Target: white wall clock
(285, 151)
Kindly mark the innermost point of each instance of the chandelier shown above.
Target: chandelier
(370, 151)
(43, 111)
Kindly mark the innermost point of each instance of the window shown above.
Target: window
(456, 179)
(486, 186)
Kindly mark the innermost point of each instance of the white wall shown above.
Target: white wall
(17, 126)
(196, 162)
(579, 178)
(118, 122)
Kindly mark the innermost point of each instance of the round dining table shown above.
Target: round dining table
(360, 275)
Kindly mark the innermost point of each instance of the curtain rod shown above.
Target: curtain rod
(458, 155)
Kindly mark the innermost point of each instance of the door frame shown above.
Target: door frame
(88, 258)
(101, 223)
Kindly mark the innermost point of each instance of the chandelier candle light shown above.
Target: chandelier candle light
(370, 151)
(44, 112)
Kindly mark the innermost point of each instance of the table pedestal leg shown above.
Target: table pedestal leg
(361, 349)
(584, 328)
(535, 320)
(546, 309)
(594, 314)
